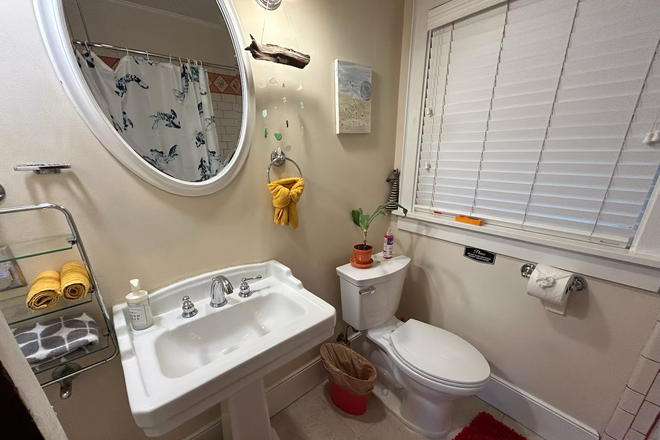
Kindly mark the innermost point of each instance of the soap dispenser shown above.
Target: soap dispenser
(139, 309)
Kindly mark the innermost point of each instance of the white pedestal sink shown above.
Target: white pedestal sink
(180, 366)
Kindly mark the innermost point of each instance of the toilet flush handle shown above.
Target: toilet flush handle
(368, 291)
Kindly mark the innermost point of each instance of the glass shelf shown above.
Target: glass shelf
(16, 311)
(17, 314)
(90, 353)
(40, 246)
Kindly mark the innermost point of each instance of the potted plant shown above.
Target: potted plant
(362, 251)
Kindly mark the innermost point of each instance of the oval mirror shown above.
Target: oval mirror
(165, 85)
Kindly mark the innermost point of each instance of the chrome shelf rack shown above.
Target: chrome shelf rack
(67, 370)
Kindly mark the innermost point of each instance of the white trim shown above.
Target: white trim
(451, 11)
(151, 9)
(292, 387)
(533, 413)
(526, 409)
(52, 24)
(611, 264)
(414, 100)
(279, 395)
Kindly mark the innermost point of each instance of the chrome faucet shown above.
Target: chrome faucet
(220, 288)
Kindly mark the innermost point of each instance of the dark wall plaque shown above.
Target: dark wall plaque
(479, 255)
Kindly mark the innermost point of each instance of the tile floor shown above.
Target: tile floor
(314, 417)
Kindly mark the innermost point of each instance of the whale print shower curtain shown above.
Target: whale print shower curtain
(163, 111)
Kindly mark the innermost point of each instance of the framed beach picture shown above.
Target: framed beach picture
(352, 98)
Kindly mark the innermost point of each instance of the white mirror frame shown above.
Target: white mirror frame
(53, 27)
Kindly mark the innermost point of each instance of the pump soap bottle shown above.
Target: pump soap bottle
(139, 309)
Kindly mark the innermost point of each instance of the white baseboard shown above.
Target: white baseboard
(540, 417)
(289, 389)
(544, 419)
(279, 395)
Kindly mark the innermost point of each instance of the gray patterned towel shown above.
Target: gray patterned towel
(54, 338)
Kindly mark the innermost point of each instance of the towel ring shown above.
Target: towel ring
(278, 158)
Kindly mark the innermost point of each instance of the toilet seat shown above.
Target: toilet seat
(438, 356)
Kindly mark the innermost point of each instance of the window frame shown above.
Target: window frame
(637, 266)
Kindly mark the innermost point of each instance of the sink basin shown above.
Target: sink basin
(180, 366)
(187, 348)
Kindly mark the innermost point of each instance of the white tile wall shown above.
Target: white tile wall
(645, 418)
(637, 414)
(654, 393)
(631, 401)
(619, 424)
(633, 435)
(643, 375)
(655, 435)
(228, 115)
(652, 348)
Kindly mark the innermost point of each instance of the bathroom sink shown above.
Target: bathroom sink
(180, 366)
(187, 348)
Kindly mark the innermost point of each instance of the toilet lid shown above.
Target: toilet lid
(439, 354)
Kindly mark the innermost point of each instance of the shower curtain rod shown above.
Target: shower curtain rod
(150, 54)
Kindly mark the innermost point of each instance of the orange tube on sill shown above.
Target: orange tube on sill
(469, 220)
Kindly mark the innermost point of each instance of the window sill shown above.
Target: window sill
(612, 264)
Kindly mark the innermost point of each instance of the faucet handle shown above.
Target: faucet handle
(245, 287)
(188, 308)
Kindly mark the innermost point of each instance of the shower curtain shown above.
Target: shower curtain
(163, 111)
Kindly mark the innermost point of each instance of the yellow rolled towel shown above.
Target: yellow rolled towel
(75, 280)
(45, 290)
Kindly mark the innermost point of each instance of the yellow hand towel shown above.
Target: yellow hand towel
(286, 194)
(45, 290)
(75, 280)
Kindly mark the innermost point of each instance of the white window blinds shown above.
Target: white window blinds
(534, 116)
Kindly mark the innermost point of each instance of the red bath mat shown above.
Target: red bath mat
(485, 427)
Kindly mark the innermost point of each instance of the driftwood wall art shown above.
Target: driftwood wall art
(277, 54)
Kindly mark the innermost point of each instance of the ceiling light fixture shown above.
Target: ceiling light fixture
(270, 5)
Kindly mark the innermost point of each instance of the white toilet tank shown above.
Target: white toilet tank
(370, 297)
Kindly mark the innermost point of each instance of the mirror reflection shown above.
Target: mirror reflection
(164, 73)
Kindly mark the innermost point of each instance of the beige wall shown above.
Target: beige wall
(579, 363)
(134, 230)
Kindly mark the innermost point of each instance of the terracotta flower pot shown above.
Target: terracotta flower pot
(363, 253)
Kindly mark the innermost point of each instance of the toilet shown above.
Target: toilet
(421, 368)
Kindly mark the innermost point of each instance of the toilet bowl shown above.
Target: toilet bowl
(421, 368)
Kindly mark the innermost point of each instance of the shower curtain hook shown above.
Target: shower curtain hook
(87, 47)
(180, 63)
(127, 54)
(170, 59)
(147, 55)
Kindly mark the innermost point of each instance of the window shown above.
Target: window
(533, 115)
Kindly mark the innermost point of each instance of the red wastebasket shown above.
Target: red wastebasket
(348, 402)
(351, 377)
